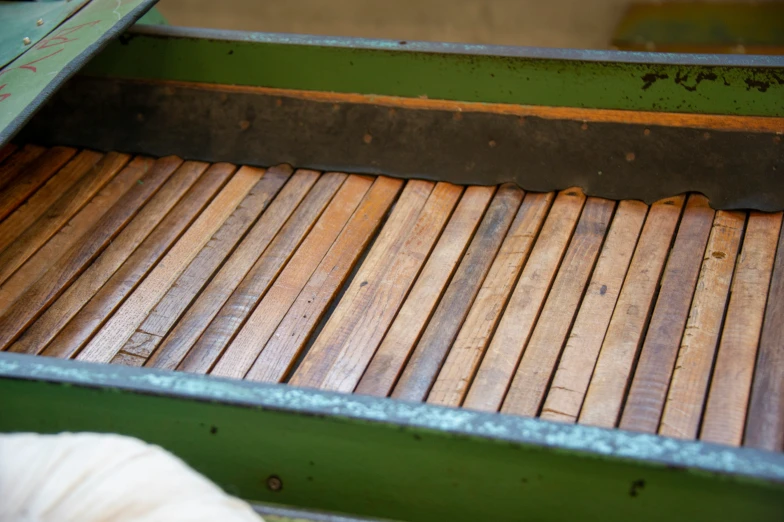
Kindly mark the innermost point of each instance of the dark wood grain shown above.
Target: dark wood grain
(49, 286)
(765, 422)
(297, 326)
(207, 261)
(502, 356)
(390, 358)
(77, 226)
(243, 351)
(540, 356)
(94, 176)
(27, 170)
(55, 336)
(645, 402)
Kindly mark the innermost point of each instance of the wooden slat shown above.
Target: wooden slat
(765, 422)
(610, 379)
(77, 226)
(117, 330)
(390, 358)
(454, 378)
(51, 284)
(38, 204)
(540, 356)
(94, 176)
(352, 319)
(388, 291)
(198, 317)
(570, 383)
(121, 247)
(62, 338)
(645, 402)
(24, 177)
(725, 412)
(296, 327)
(18, 163)
(7, 150)
(259, 278)
(187, 286)
(689, 383)
(497, 368)
(422, 368)
(243, 351)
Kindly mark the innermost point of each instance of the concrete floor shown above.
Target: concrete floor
(586, 24)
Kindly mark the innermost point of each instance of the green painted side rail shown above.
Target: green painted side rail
(31, 78)
(739, 85)
(391, 459)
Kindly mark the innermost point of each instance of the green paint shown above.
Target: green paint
(387, 68)
(19, 20)
(381, 469)
(25, 81)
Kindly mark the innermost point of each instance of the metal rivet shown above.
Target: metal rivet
(274, 483)
(367, 138)
(26, 41)
(630, 156)
(647, 132)
(492, 143)
(584, 126)
(40, 22)
(706, 135)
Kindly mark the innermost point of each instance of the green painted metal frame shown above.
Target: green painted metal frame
(31, 78)
(391, 459)
(728, 84)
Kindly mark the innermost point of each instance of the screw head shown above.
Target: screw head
(40, 22)
(26, 41)
(274, 483)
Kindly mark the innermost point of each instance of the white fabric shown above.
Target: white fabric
(89, 477)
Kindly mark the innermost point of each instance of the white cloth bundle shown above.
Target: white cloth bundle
(89, 477)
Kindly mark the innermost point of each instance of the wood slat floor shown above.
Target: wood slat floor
(664, 319)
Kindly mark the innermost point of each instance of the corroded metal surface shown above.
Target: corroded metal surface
(618, 444)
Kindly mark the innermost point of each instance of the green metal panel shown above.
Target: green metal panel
(27, 81)
(391, 459)
(743, 85)
(23, 24)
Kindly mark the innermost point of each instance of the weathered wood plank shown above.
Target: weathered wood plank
(243, 351)
(648, 391)
(571, 379)
(390, 358)
(259, 278)
(51, 284)
(391, 290)
(765, 422)
(502, 356)
(422, 368)
(39, 203)
(117, 330)
(77, 226)
(690, 378)
(728, 400)
(540, 356)
(188, 285)
(604, 398)
(465, 354)
(26, 173)
(7, 150)
(93, 176)
(198, 317)
(296, 327)
(63, 336)
(18, 163)
(369, 302)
